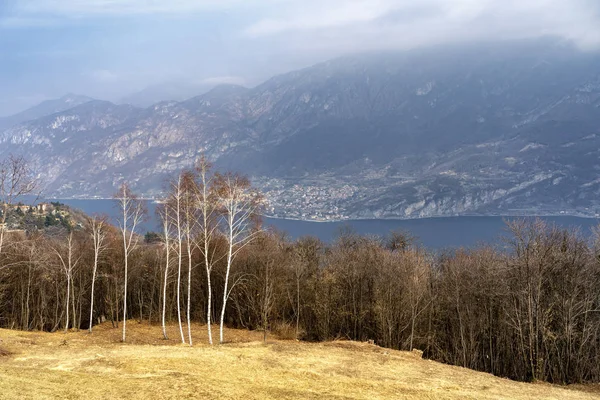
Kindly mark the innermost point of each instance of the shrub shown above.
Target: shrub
(285, 331)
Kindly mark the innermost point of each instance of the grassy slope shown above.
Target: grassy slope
(76, 365)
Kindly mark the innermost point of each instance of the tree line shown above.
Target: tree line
(527, 308)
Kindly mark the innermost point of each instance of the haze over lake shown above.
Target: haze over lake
(434, 233)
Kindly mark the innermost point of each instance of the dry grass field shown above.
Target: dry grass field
(78, 365)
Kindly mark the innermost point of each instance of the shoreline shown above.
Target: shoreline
(283, 218)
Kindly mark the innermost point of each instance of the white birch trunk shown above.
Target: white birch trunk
(189, 289)
(98, 237)
(68, 301)
(168, 256)
(225, 291)
(179, 259)
(126, 252)
(93, 286)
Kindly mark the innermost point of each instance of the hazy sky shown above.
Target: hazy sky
(110, 48)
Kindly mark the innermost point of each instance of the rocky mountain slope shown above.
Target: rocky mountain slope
(504, 128)
(43, 109)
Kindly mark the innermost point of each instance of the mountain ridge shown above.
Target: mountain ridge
(479, 130)
(43, 109)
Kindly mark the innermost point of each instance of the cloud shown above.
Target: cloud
(102, 75)
(82, 8)
(219, 80)
(375, 24)
(342, 23)
(33, 98)
(322, 15)
(109, 48)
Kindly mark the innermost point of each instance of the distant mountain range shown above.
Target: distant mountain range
(169, 91)
(491, 129)
(43, 109)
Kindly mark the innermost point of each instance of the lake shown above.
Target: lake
(435, 233)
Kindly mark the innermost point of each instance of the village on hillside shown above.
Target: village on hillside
(25, 218)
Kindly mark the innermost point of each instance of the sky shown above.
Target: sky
(109, 49)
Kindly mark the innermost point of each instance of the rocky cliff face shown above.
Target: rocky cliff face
(509, 128)
(43, 109)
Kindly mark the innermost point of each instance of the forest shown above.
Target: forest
(526, 308)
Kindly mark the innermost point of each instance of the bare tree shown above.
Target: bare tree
(305, 259)
(132, 213)
(166, 225)
(190, 189)
(69, 263)
(206, 205)
(176, 203)
(268, 298)
(97, 228)
(16, 180)
(529, 311)
(240, 204)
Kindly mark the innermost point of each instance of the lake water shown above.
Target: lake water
(435, 233)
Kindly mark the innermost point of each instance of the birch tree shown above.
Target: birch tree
(166, 225)
(176, 204)
(132, 213)
(189, 230)
(68, 262)
(205, 202)
(239, 204)
(98, 233)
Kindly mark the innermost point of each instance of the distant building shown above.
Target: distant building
(23, 208)
(41, 208)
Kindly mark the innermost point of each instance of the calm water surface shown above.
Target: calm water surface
(434, 233)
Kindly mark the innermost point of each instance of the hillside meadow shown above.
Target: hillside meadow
(77, 365)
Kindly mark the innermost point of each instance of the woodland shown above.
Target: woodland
(525, 308)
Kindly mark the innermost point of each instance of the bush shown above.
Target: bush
(285, 331)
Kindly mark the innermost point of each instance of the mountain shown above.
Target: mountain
(43, 109)
(175, 91)
(170, 91)
(489, 129)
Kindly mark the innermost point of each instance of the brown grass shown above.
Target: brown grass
(285, 331)
(78, 365)
(4, 353)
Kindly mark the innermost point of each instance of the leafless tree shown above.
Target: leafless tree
(205, 201)
(305, 251)
(240, 204)
(175, 202)
(166, 225)
(16, 180)
(268, 297)
(97, 227)
(68, 262)
(132, 212)
(189, 209)
(527, 311)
